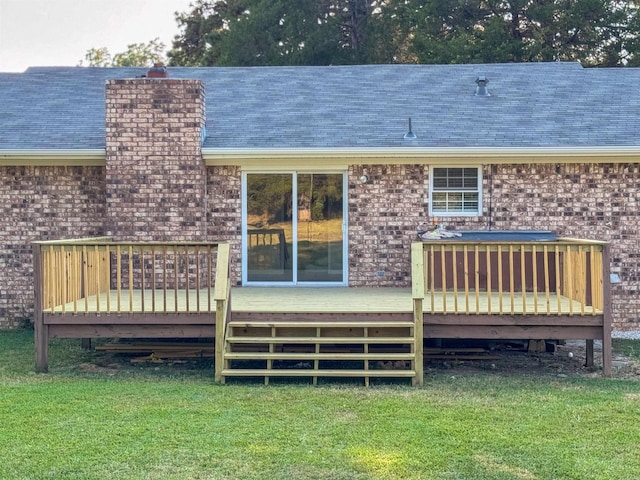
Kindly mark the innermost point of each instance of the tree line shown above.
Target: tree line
(339, 32)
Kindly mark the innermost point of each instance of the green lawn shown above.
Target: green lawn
(157, 422)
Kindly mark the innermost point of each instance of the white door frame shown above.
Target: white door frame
(294, 254)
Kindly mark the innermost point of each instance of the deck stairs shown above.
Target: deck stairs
(256, 347)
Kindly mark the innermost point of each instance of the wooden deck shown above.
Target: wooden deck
(508, 291)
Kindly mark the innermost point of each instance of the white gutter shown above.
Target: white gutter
(351, 155)
(53, 157)
(513, 154)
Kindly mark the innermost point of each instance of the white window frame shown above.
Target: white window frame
(434, 213)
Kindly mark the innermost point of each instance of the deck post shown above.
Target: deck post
(607, 355)
(417, 292)
(221, 295)
(41, 331)
(418, 349)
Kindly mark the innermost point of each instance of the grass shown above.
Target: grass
(630, 348)
(158, 422)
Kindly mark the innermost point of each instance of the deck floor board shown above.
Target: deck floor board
(322, 300)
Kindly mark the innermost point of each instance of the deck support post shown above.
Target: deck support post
(220, 341)
(41, 335)
(589, 353)
(41, 330)
(607, 354)
(418, 349)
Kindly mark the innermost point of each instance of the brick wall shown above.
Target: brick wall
(42, 203)
(155, 176)
(384, 214)
(224, 213)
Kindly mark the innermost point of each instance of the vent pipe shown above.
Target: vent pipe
(410, 135)
(481, 89)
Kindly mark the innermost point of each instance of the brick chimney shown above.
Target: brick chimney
(156, 178)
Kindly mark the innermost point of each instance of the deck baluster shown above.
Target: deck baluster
(465, 251)
(74, 278)
(545, 261)
(523, 277)
(511, 280)
(176, 259)
(489, 292)
(164, 278)
(568, 265)
(187, 284)
(443, 278)
(500, 302)
(153, 279)
(476, 261)
(455, 278)
(119, 277)
(131, 263)
(197, 258)
(558, 284)
(432, 271)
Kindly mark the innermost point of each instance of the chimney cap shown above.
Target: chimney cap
(158, 71)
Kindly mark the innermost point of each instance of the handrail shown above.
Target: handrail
(564, 276)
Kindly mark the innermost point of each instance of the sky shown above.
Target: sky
(59, 32)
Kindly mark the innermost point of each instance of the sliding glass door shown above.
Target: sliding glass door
(293, 231)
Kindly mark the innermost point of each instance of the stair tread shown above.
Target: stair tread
(312, 340)
(319, 356)
(302, 323)
(316, 373)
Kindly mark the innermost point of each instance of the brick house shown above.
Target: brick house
(355, 158)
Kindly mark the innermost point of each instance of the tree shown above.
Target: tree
(594, 32)
(325, 32)
(97, 57)
(273, 32)
(136, 55)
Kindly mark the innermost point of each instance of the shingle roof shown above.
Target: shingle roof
(531, 105)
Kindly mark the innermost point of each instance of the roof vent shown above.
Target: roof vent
(158, 71)
(410, 135)
(481, 89)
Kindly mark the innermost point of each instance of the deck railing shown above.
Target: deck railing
(469, 277)
(101, 276)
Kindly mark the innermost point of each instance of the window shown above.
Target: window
(455, 191)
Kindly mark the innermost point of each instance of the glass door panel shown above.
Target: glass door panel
(269, 227)
(319, 227)
(293, 228)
